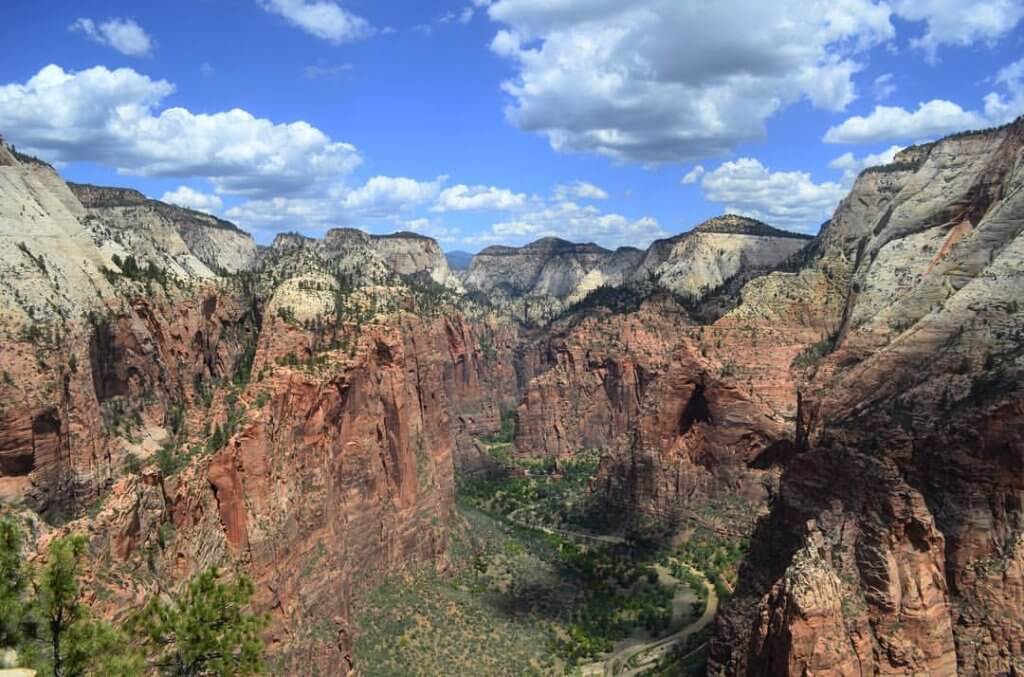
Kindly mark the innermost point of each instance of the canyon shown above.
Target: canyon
(850, 405)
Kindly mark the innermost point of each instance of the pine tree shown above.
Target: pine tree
(79, 644)
(13, 585)
(206, 631)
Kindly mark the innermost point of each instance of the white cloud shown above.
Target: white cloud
(380, 198)
(429, 228)
(110, 117)
(937, 117)
(124, 35)
(463, 16)
(664, 80)
(386, 194)
(206, 70)
(566, 219)
(959, 23)
(693, 176)
(193, 199)
(852, 166)
(931, 119)
(784, 199)
(884, 86)
(580, 190)
(321, 18)
(464, 198)
(1003, 108)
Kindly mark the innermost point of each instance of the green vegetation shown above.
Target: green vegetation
(78, 643)
(506, 433)
(206, 631)
(45, 618)
(132, 464)
(491, 618)
(243, 369)
(716, 556)
(129, 268)
(812, 354)
(537, 589)
(13, 584)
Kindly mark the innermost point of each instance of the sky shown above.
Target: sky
(500, 121)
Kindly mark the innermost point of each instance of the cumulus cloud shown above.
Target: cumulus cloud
(111, 117)
(937, 117)
(193, 199)
(424, 226)
(381, 197)
(785, 199)
(693, 176)
(124, 35)
(663, 80)
(321, 18)
(386, 194)
(954, 22)
(465, 198)
(569, 220)
(852, 166)
(580, 190)
(933, 118)
(884, 86)
(1001, 108)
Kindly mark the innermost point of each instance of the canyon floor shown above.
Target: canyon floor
(542, 585)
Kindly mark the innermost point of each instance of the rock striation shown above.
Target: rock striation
(894, 546)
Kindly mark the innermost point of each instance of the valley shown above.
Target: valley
(537, 569)
(739, 451)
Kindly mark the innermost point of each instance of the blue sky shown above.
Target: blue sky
(480, 121)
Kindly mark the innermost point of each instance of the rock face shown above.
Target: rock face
(362, 259)
(48, 262)
(593, 378)
(693, 446)
(717, 251)
(168, 234)
(309, 405)
(409, 253)
(536, 282)
(346, 474)
(895, 545)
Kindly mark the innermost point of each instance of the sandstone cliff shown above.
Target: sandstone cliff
(168, 234)
(294, 419)
(536, 282)
(717, 251)
(895, 544)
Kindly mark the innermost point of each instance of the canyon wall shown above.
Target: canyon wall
(895, 545)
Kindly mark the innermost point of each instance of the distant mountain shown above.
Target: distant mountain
(459, 260)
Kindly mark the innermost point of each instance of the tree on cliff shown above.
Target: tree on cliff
(206, 631)
(13, 585)
(79, 644)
